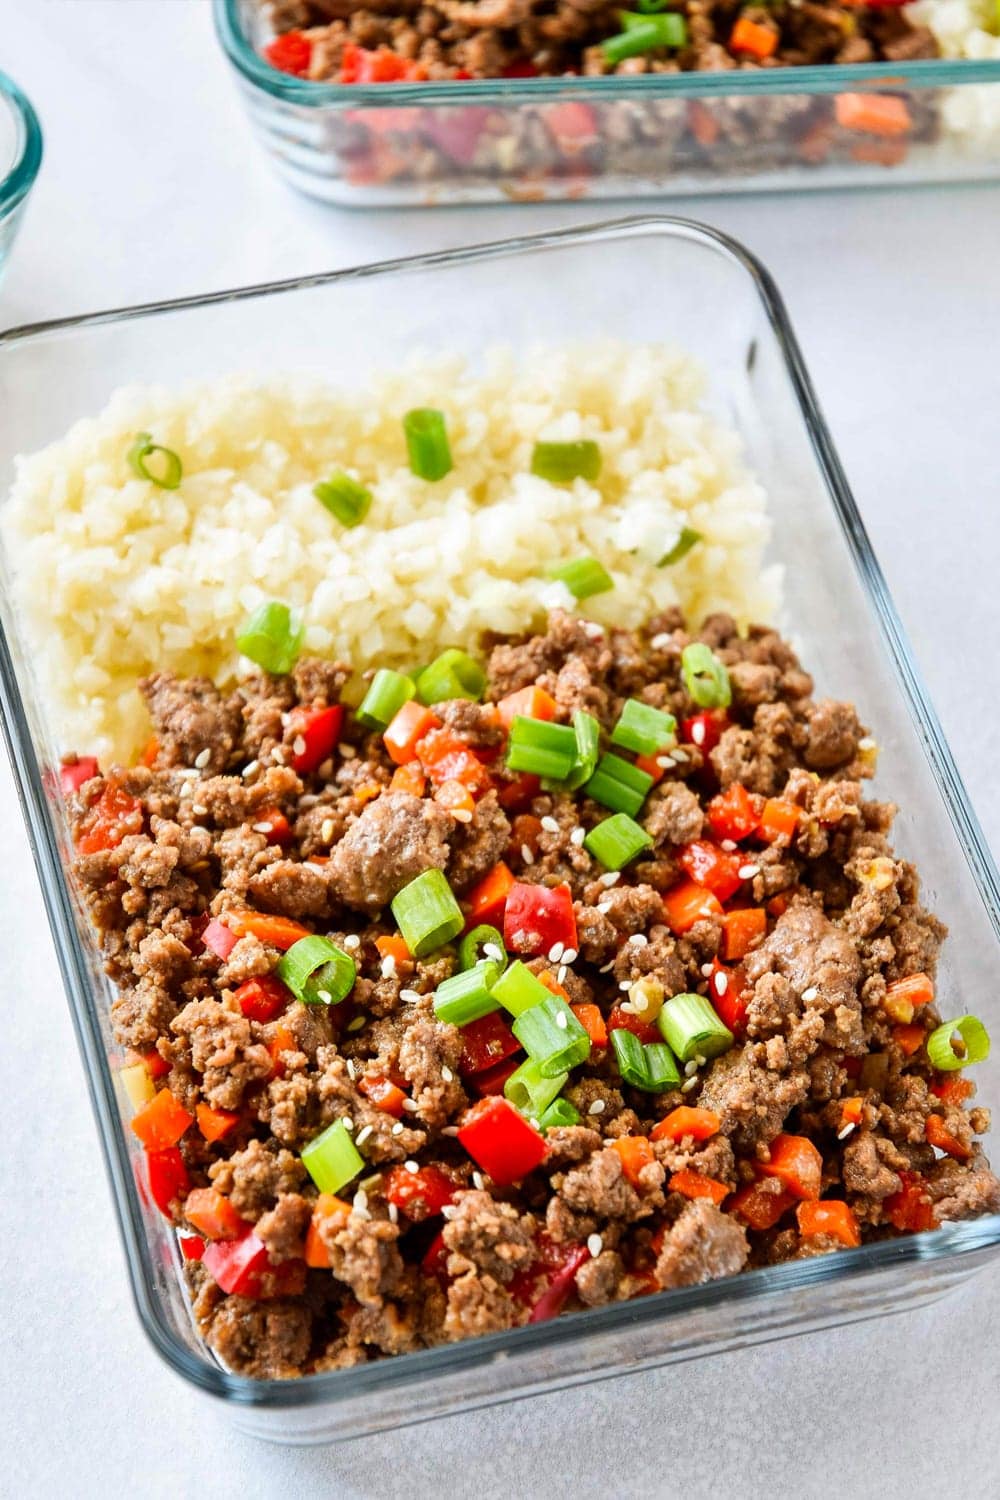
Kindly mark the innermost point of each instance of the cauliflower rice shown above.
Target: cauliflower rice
(119, 578)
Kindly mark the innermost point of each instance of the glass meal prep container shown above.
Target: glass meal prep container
(20, 159)
(724, 310)
(530, 140)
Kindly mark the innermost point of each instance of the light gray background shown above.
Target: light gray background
(152, 187)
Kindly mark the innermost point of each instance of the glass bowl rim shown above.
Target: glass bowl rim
(17, 182)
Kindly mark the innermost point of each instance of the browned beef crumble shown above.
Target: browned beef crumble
(844, 921)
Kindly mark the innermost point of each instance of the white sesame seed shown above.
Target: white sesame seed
(461, 814)
(706, 970)
(609, 878)
(185, 790)
(203, 757)
(262, 828)
(363, 1134)
(593, 630)
(561, 974)
(698, 733)
(728, 844)
(701, 1061)
(660, 642)
(810, 993)
(561, 1021)
(448, 1212)
(478, 1180)
(606, 968)
(690, 1067)
(389, 967)
(577, 836)
(278, 756)
(867, 743)
(309, 800)
(447, 1075)
(598, 1107)
(298, 745)
(595, 1245)
(251, 767)
(535, 1125)
(352, 1070)
(361, 1213)
(347, 1122)
(398, 1128)
(550, 824)
(326, 832)
(492, 951)
(393, 1213)
(286, 719)
(326, 769)
(843, 1134)
(352, 941)
(604, 907)
(200, 811)
(411, 1106)
(410, 997)
(348, 752)
(747, 872)
(325, 996)
(690, 1084)
(449, 1130)
(526, 855)
(360, 1197)
(639, 940)
(679, 755)
(720, 984)
(357, 1023)
(555, 953)
(628, 1007)
(411, 1166)
(570, 955)
(624, 984)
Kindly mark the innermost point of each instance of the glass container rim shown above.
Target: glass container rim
(951, 1241)
(16, 183)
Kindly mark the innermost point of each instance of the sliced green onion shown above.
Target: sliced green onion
(530, 1091)
(705, 676)
(559, 1112)
(645, 34)
(957, 1044)
(661, 1067)
(652, 1068)
(518, 990)
(454, 674)
(427, 913)
(482, 942)
(344, 498)
(332, 1159)
(617, 841)
(467, 995)
(387, 692)
(692, 1028)
(169, 463)
(650, 7)
(550, 1033)
(688, 538)
(583, 577)
(643, 728)
(540, 747)
(619, 785)
(588, 747)
(427, 443)
(272, 638)
(561, 463)
(317, 972)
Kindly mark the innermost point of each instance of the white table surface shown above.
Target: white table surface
(152, 187)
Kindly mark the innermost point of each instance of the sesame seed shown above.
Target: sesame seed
(411, 1106)
(447, 1075)
(609, 878)
(690, 1084)
(628, 1007)
(363, 1134)
(185, 790)
(357, 1023)
(660, 642)
(286, 719)
(326, 832)
(867, 743)
(360, 1197)
(664, 762)
(298, 745)
(624, 984)
(606, 968)
(555, 953)
(398, 1128)
(561, 974)
(203, 757)
(361, 1213)
(347, 1122)
(449, 1211)
(698, 733)
(728, 844)
(569, 955)
(561, 1021)
(701, 1061)
(550, 824)
(199, 810)
(526, 855)
(389, 967)
(461, 814)
(604, 907)
(325, 996)
(595, 631)
(810, 993)
(638, 939)
(309, 800)
(310, 864)
(348, 752)
(411, 1166)
(595, 1245)
(250, 768)
(747, 872)
(449, 1130)
(491, 950)
(720, 984)
(410, 997)
(690, 1067)
(598, 1107)
(478, 1180)
(262, 828)
(352, 1071)
(679, 755)
(393, 1213)
(278, 756)
(706, 970)
(352, 941)
(843, 1134)
(577, 836)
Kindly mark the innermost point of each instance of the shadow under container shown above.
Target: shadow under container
(541, 139)
(722, 308)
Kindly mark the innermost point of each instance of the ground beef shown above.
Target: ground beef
(255, 1178)
(283, 1228)
(220, 1043)
(674, 815)
(396, 838)
(194, 724)
(364, 1255)
(268, 1340)
(485, 1236)
(476, 846)
(703, 1245)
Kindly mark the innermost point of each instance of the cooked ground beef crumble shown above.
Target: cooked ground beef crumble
(217, 830)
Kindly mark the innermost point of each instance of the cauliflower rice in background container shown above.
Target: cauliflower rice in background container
(119, 578)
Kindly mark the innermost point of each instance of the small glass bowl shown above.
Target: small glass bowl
(20, 159)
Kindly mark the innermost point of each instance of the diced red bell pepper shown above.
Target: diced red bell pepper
(290, 53)
(624, 1020)
(758, 1207)
(457, 132)
(168, 1177)
(279, 932)
(651, 765)
(952, 1089)
(525, 68)
(501, 1141)
(262, 998)
(315, 732)
(114, 815)
(486, 901)
(726, 992)
(162, 1122)
(212, 1213)
(527, 703)
(796, 1163)
(687, 904)
(72, 777)
(911, 1210)
(192, 1246)
(381, 65)
(519, 791)
(711, 867)
(636, 1154)
(316, 1253)
(156, 1066)
(274, 825)
(735, 813)
(778, 820)
(485, 1043)
(421, 1194)
(218, 939)
(215, 1123)
(831, 1217)
(243, 1268)
(590, 1018)
(435, 1261)
(693, 1184)
(572, 125)
(687, 1121)
(705, 730)
(384, 1094)
(937, 1134)
(411, 724)
(492, 1080)
(741, 929)
(536, 918)
(553, 1299)
(446, 758)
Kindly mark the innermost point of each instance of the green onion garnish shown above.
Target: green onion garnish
(645, 34)
(559, 1112)
(643, 728)
(427, 443)
(957, 1044)
(482, 942)
(171, 470)
(561, 463)
(317, 972)
(518, 990)
(661, 1067)
(618, 784)
(587, 733)
(344, 498)
(530, 1091)
(688, 538)
(550, 1033)
(617, 841)
(651, 1068)
(332, 1159)
(454, 674)
(705, 676)
(540, 747)
(583, 577)
(467, 995)
(650, 7)
(387, 693)
(427, 913)
(272, 638)
(692, 1028)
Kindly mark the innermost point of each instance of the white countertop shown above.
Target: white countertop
(153, 187)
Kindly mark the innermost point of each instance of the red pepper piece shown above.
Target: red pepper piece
(262, 998)
(758, 1206)
(192, 1246)
(705, 729)
(72, 777)
(168, 1177)
(315, 732)
(553, 1299)
(536, 918)
(290, 53)
(623, 1020)
(911, 1210)
(238, 1265)
(501, 1141)
(485, 1043)
(211, 1212)
(491, 1080)
(156, 1066)
(525, 68)
(519, 792)
(420, 1194)
(218, 939)
(162, 1122)
(457, 132)
(735, 813)
(711, 867)
(486, 901)
(726, 993)
(435, 1261)
(384, 1094)
(107, 821)
(275, 826)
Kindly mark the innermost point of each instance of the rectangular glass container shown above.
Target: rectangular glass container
(530, 140)
(723, 308)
